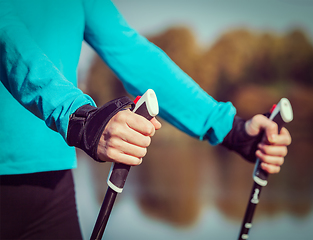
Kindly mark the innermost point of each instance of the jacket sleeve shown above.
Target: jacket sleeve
(31, 78)
(140, 65)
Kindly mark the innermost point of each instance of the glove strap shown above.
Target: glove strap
(240, 141)
(87, 123)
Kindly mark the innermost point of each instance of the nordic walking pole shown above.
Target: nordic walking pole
(281, 114)
(146, 106)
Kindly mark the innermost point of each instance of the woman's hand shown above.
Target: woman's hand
(126, 137)
(273, 148)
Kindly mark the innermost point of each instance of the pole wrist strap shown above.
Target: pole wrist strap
(240, 141)
(87, 123)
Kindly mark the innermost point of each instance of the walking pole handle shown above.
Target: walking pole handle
(146, 106)
(281, 114)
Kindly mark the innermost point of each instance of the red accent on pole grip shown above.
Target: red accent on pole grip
(137, 99)
(272, 109)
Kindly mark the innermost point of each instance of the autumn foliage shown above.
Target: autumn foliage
(253, 70)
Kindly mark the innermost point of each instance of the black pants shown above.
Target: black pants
(38, 206)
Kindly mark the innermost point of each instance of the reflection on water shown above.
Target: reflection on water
(129, 222)
(213, 218)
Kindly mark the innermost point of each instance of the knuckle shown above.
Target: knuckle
(111, 130)
(121, 116)
(285, 152)
(274, 126)
(116, 131)
(147, 141)
(136, 161)
(148, 129)
(277, 169)
(114, 142)
(264, 148)
(110, 153)
(274, 169)
(265, 158)
(257, 117)
(271, 127)
(142, 152)
(289, 141)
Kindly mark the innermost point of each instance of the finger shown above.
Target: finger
(258, 123)
(118, 128)
(274, 150)
(273, 160)
(270, 168)
(271, 132)
(129, 135)
(140, 124)
(111, 151)
(284, 138)
(133, 121)
(126, 148)
(114, 155)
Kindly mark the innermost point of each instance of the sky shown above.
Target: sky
(208, 19)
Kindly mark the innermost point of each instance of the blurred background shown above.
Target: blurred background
(251, 53)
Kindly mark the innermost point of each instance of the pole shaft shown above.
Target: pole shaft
(104, 214)
(247, 221)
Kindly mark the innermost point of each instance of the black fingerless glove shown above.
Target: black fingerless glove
(239, 141)
(87, 123)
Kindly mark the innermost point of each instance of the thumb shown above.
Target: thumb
(258, 123)
(157, 125)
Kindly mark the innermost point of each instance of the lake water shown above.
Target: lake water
(128, 221)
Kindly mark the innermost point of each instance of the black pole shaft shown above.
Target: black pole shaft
(247, 221)
(104, 214)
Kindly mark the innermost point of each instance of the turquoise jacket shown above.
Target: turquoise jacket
(40, 43)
